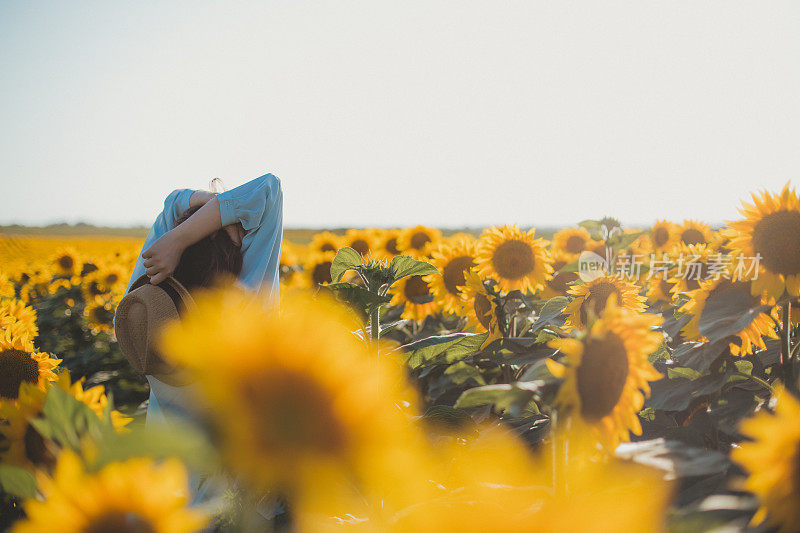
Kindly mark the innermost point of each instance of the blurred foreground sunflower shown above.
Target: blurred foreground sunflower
(771, 229)
(514, 258)
(772, 458)
(607, 373)
(136, 495)
(300, 403)
(590, 298)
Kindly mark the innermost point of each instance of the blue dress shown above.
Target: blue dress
(258, 205)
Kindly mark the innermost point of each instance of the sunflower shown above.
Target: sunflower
(387, 243)
(572, 241)
(480, 307)
(659, 291)
(750, 336)
(693, 232)
(590, 298)
(694, 264)
(95, 398)
(662, 235)
(66, 262)
(23, 445)
(100, 315)
(7, 289)
(87, 268)
(514, 258)
(453, 261)
(771, 229)
(318, 268)
(299, 401)
(325, 241)
(20, 362)
(607, 373)
(418, 241)
(363, 241)
(773, 460)
(560, 283)
(721, 240)
(134, 495)
(15, 311)
(413, 293)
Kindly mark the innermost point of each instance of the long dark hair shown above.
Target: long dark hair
(204, 261)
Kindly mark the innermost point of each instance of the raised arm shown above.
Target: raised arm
(258, 206)
(175, 205)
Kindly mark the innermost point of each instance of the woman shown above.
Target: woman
(200, 234)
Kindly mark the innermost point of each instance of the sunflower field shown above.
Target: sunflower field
(604, 378)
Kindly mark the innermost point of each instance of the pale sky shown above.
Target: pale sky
(378, 113)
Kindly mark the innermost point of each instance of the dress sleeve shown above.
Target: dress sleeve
(258, 205)
(176, 204)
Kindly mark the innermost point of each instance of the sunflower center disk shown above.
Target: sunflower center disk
(692, 236)
(419, 240)
(294, 415)
(120, 522)
(360, 246)
(416, 289)
(322, 273)
(453, 273)
(560, 281)
(16, 366)
(777, 238)
(601, 376)
(513, 259)
(391, 246)
(66, 262)
(327, 247)
(575, 244)
(660, 237)
(597, 299)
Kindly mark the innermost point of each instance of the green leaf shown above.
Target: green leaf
(66, 420)
(681, 372)
(625, 240)
(444, 349)
(510, 397)
(357, 296)
(346, 259)
(403, 265)
(552, 308)
(17, 481)
(674, 458)
(450, 417)
(727, 313)
(676, 394)
(590, 224)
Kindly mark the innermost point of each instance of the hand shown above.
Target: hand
(162, 258)
(200, 198)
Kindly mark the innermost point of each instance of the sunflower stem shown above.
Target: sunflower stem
(374, 324)
(787, 366)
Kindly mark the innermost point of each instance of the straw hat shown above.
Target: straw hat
(140, 315)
